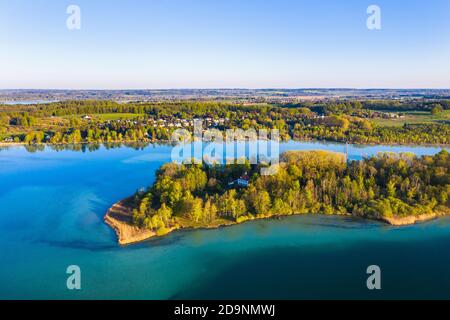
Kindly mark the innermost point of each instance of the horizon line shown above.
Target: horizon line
(231, 88)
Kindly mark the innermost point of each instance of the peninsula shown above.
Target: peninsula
(398, 189)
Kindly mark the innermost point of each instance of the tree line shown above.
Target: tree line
(345, 121)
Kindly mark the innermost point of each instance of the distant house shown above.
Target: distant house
(86, 117)
(243, 181)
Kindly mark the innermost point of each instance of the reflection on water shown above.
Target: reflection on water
(86, 147)
(356, 151)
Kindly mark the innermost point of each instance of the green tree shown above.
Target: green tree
(262, 202)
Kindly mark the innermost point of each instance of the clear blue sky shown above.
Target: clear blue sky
(224, 44)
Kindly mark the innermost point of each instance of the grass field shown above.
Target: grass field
(414, 118)
(116, 116)
(106, 116)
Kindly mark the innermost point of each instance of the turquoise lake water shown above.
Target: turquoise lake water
(51, 216)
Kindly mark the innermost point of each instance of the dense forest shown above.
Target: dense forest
(72, 122)
(384, 186)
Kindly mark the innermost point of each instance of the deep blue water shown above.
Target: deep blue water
(51, 216)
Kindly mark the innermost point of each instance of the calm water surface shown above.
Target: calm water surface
(51, 209)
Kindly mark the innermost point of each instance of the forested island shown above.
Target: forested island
(408, 121)
(395, 188)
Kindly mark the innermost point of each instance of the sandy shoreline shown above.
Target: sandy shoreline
(408, 220)
(119, 217)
